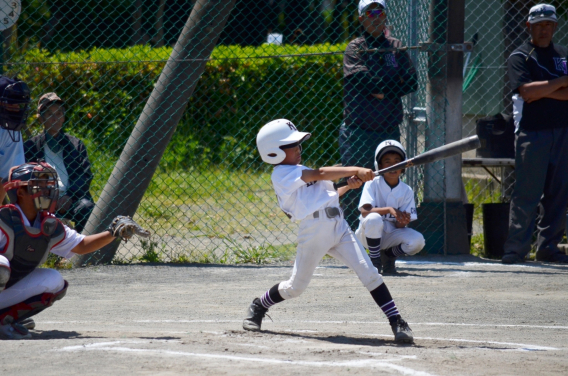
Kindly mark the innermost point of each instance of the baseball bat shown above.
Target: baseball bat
(444, 151)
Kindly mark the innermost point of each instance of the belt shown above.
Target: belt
(330, 212)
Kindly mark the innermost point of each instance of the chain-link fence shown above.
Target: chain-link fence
(210, 198)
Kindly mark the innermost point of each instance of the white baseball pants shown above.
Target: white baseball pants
(318, 237)
(373, 226)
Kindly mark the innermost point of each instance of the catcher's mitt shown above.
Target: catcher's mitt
(125, 227)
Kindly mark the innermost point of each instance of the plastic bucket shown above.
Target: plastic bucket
(495, 228)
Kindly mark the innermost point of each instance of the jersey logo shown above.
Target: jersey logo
(30, 249)
(291, 126)
(391, 60)
(311, 183)
(560, 64)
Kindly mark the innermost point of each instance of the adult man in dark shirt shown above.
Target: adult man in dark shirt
(373, 85)
(68, 155)
(539, 79)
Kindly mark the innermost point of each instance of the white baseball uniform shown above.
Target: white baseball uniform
(379, 194)
(318, 234)
(40, 280)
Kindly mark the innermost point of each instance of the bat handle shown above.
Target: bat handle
(340, 184)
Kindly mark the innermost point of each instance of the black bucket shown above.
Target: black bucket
(495, 228)
(469, 220)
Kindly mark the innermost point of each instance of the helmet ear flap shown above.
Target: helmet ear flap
(276, 156)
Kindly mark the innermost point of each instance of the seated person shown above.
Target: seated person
(69, 157)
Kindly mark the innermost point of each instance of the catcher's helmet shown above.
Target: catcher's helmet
(275, 136)
(389, 146)
(14, 103)
(41, 180)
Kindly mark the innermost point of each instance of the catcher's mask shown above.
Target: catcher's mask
(14, 105)
(41, 180)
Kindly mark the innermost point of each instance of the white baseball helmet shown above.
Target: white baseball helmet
(386, 147)
(276, 134)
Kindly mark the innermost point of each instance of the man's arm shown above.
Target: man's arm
(536, 90)
(560, 94)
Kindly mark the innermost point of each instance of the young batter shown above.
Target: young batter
(308, 196)
(387, 207)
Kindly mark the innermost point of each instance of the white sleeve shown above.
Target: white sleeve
(367, 196)
(409, 206)
(64, 248)
(288, 179)
(11, 153)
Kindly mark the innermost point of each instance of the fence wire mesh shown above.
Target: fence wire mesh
(210, 198)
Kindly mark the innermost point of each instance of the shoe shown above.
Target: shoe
(512, 258)
(255, 314)
(377, 264)
(28, 323)
(14, 331)
(389, 267)
(551, 256)
(401, 330)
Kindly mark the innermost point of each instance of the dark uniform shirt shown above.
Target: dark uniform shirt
(530, 63)
(388, 73)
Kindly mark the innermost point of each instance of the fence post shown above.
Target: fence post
(441, 214)
(157, 122)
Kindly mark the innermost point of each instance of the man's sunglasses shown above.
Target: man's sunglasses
(372, 13)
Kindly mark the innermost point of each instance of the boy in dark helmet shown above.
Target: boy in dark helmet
(14, 109)
(28, 232)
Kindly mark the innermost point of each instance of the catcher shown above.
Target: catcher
(28, 232)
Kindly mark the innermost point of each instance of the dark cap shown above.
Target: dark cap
(46, 100)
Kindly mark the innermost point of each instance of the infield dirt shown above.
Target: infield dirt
(469, 316)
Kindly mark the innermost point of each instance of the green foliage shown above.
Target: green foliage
(55, 262)
(233, 99)
(151, 252)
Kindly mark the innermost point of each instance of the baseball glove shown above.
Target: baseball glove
(125, 227)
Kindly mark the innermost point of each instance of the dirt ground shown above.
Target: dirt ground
(469, 317)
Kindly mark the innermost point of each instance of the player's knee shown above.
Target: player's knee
(416, 245)
(373, 280)
(51, 280)
(374, 226)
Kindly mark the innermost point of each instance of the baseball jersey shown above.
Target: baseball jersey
(11, 153)
(530, 63)
(63, 249)
(379, 194)
(297, 198)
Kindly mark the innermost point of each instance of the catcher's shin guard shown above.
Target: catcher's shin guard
(31, 306)
(255, 314)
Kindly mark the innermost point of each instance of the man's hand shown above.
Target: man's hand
(64, 204)
(379, 96)
(402, 219)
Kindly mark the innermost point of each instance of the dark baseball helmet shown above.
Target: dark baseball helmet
(14, 103)
(41, 180)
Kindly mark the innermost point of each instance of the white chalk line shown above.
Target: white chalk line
(307, 322)
(364, 363)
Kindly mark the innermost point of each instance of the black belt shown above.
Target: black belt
(330, 212)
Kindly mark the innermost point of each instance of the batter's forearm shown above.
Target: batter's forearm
(329, 173)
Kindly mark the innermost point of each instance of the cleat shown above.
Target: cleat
(14, 331)
(28, 323)
(512, 258)
(255, 314)
(401, 330)
(389, 267)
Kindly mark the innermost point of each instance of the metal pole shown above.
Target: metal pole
(157, 123)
